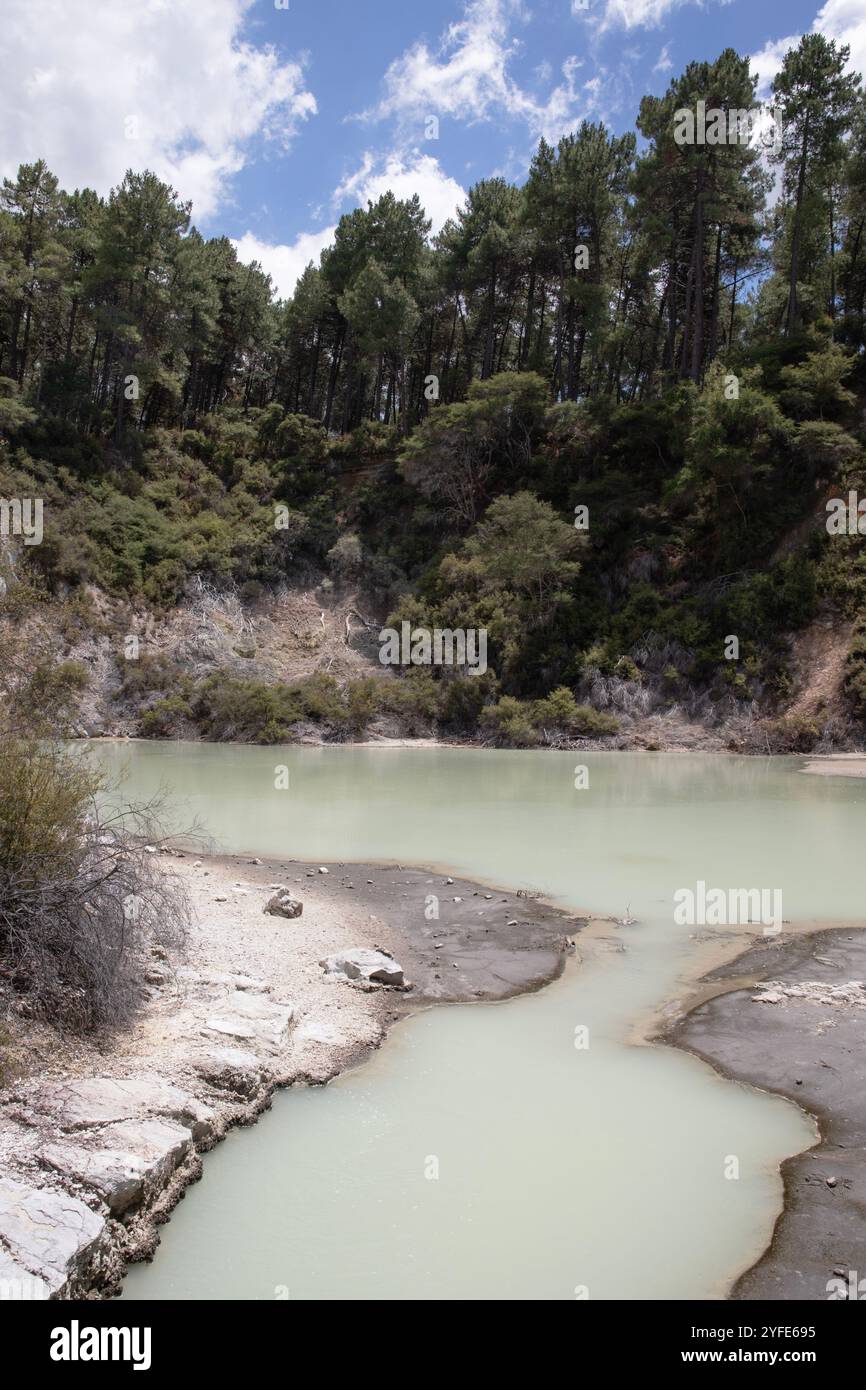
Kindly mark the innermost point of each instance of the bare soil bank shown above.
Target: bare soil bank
(837, 765)
(98, 1143)
(810, 1049)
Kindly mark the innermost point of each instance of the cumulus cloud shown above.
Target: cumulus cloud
(768, 61)
(842, 20)
(162, 84)
(467, 77)
(284, 264)
(845, 21)
(404, 175)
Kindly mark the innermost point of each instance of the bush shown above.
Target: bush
(855, 674)
(80, 900)
(509, 723)
(561, 711)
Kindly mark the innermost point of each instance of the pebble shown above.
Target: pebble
(322, 869)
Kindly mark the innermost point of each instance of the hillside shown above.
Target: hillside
(610, 423)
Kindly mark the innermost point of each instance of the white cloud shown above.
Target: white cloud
(845, 21)
(74, 73)
(663, 62)
(404, 175)
(638, 14)
(842, 20)
(467, 78)
(284, 264)
(768, 61)
(377, 174)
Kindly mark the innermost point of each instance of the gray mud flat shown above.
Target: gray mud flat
(485, 943)
(815, 1054)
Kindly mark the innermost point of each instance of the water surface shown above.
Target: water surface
(559, 1169)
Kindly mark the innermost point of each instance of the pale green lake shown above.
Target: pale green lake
(559, 1168)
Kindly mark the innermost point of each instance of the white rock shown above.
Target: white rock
(52, 1235)
(231, 1069)
(251, 1016)
(317, 1031)
(125, 1161)
(362, 963)
(17, 1282)
(106, 1100)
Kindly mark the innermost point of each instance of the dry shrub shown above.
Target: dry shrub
(81, 899)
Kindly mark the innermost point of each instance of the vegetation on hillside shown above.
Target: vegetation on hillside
(592, 417)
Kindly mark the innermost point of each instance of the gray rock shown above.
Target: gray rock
(52, 1236)
(284, 904)
(231, 1069)
(104, 1100)
(314, 1030)
(125, 1162)
(252, 1017)
(362, 963)
(16, 1282)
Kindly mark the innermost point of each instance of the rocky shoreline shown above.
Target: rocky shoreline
(789, 1016)
(98, 1145)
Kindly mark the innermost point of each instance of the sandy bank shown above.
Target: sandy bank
(837, 765)
(97, 1144)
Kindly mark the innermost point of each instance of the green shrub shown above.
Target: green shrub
(509, 723)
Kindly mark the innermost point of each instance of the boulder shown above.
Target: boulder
(231, 1069)
(125, 1162)
(363, 963)
(54, 1237)
(284, 904)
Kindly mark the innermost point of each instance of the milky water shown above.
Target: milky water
(559, 1168)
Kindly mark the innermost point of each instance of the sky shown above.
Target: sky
(275, 117)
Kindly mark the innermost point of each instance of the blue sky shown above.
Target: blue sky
(275, 120)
